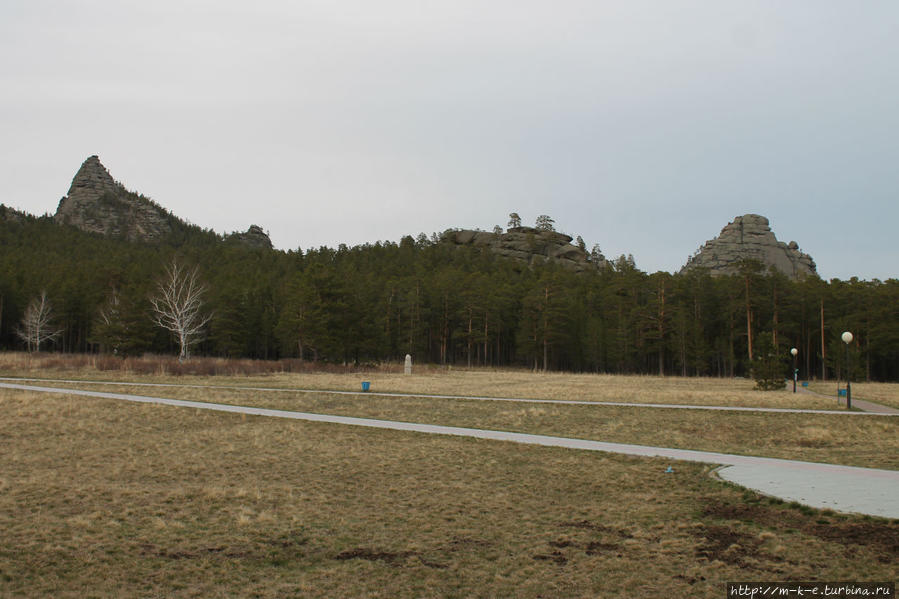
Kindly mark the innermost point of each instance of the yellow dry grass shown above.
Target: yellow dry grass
(853, 440)
(469, 382)
(108, 499)
(886, 394)
(564, 386)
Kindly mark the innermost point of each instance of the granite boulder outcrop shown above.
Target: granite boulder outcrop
(526, 245)
(749, 237)
(254, 237)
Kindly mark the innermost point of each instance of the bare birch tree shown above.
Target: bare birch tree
(37, 324)
(178, 304)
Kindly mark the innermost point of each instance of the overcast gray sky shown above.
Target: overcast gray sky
(643, 126)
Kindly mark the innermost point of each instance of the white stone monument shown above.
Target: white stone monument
(408, 367)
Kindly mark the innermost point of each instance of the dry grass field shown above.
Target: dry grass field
(883, 393)
(851, 440)
(100, 498)
(107, 499)
(425, 380)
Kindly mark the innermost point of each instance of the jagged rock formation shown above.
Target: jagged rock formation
(749, 237)
(11, 215)
(98, 204)
(526, 245)
(254, 237)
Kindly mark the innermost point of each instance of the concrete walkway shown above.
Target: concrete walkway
(859, 404)
(874, 408)
(463, 397)
(869, 406)
(842, 488)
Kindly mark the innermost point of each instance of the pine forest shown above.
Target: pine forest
(442, 304)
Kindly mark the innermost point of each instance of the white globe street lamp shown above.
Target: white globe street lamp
(794, 352)
(847, 339)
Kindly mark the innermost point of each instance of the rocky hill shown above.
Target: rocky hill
(526, 245)
(97, 203)
(254, 237)
(749, 237)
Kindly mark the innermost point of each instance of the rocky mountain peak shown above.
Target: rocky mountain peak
(749, 237)
(92, 181)
(96, 203)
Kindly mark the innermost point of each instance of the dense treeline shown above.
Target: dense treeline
(443, 304)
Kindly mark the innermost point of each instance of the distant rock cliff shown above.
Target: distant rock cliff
(97, 203)
(749, 237)
(526, 245)
(254, 237)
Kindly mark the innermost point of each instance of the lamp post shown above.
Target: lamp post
(847, 339)
(794, 351)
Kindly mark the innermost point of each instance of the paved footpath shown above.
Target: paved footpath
(860, 404)
(842, 488)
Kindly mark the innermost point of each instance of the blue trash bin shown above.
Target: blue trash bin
(805, 383)
(366, 385)
(841, 393)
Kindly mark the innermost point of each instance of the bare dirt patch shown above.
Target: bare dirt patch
(880, 537)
